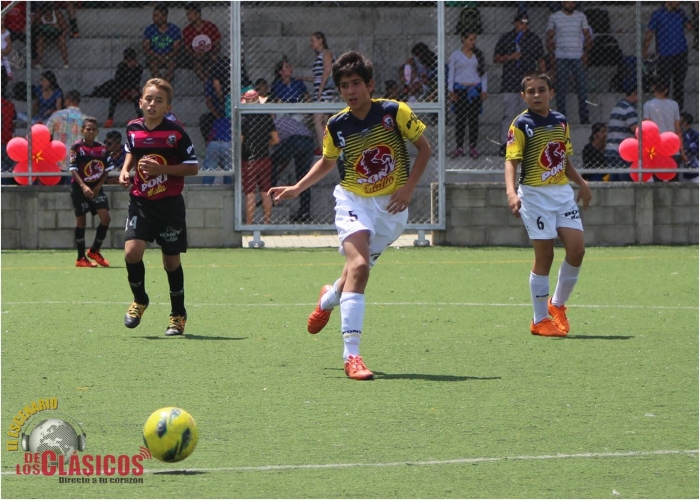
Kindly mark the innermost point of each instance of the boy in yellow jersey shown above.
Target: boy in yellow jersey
(367, 139)
(538, 141)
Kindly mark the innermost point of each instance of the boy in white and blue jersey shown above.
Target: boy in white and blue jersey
(621, 126)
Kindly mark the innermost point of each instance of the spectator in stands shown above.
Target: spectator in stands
(392, 90)
(690, 146)
(668, 24)
(15, 19)
(216, 108)
(6, 50)
(566, 49)
(48, 97)
(622, 125)
(218, 156)
(72, 19)
(594, 152)
(116, 153)
(221, 81)
(50, 26)
(423, 61)
(66, 125)
(467, 86)
(161, 44)
(296, 143)
(258, 134)
(262, 88)
(521, 52)
(665, 113)
(202, 40)
(286, 88)
(9, 119)
(126, 85)
(324, 88)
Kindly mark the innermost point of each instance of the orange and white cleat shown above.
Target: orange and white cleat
(319, 317)
(84, 262)
(558, 314)
(97, 257)
(546, 328)
(356, 369)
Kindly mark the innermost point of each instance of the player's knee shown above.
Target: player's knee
(575, 256)
(359, 270)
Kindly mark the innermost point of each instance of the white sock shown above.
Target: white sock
(539, 292)
(352, 315)
(568, 276)
(331, 298)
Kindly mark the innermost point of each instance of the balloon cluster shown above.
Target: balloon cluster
(45, 154)
(657, 152)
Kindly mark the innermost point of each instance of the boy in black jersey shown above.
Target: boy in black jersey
(89, 167)
(162, 155)
(371, 201)
(539, 142)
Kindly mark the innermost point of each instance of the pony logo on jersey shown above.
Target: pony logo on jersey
(171, 140)
(388, 122)
(552, 158)
(93, 170)
(375, 167)
(149, 184)
(511, 136)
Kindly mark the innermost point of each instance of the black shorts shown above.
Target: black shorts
(82, 205)
(160, 220)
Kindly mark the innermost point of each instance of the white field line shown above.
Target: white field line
(425, 463)
(312, 304)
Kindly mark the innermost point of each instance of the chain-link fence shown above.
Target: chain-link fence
(458, 65)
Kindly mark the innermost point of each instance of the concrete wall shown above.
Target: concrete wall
(42, 217)
(39, 217)
(620, 214)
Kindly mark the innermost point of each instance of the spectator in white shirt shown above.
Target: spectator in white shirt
(467, 85)
(566, 46)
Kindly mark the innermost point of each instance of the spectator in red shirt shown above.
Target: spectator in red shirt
(202, 41)
(15, 20)
(9, 117)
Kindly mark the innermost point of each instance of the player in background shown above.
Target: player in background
(371, 201)
(162, 154)
(539, 141)
(89, 167)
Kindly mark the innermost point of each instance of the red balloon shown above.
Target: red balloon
(629, 150)
(50, 167)
(55, 152)
(41, 137)
(17, 149)
(669, 144)
(22, 168)
(635, 175)
(664, 162)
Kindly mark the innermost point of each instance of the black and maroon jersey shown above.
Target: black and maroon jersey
(90, 162)
(169, 144)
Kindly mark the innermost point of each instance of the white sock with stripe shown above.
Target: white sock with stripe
(539, 292)
(352, 315)
(331, 298)
(568, 276)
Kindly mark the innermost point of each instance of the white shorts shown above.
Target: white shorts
(355, 213)
(547, 208)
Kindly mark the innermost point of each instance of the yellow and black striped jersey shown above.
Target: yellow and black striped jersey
(542, 145)
(371, 153)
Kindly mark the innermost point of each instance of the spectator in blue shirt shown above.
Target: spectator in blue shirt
(116, 152)
(690, 145)
(218, 155)
(668, 24)
(284, 87)
(161, 44)
(216, 108)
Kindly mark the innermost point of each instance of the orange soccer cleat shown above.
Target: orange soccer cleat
(356, 369)
(84, 262)
(546, 328)
(319, 317)
(558, 314)
(97, 257)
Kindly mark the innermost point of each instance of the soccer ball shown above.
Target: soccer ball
(170, 434)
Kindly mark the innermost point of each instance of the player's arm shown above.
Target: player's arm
(84, 187)
(317, 172)
(584, 192)
(511, 193)
(124, 179)
(101, 182)
(401, 198)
